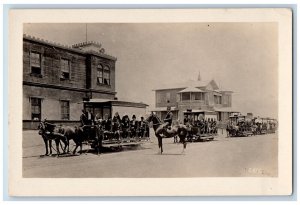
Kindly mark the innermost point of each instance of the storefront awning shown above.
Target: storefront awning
(116, 102)
(224, 109)
(199, 111)
(161, 109)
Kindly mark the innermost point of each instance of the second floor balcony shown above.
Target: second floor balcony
(192, 95)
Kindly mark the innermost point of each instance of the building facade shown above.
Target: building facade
(57, 79)
(194, 98)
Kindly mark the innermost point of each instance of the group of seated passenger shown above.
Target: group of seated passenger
(117, 127)
(206, 126)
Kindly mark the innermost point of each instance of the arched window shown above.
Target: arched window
(106, 75)
(100, 74)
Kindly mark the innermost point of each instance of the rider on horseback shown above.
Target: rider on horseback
(169, 117)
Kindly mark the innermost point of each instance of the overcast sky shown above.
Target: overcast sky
(241, 57)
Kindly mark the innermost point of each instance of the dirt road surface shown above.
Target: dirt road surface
(224, 157)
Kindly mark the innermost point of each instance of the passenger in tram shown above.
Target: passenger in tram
(133, 126)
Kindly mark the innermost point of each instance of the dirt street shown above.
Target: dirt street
(223, 157)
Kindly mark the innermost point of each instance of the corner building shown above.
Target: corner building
(57, 79)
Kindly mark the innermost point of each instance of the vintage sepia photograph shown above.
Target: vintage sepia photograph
(151, 100)
(103, 98)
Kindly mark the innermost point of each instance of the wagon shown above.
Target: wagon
(271, 125)
(268, 125)
(197, 130)
(115, 139)
(116, 142)
(261, 126)
(239, 126)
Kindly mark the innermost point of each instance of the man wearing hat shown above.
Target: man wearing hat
(142, 127)
(133, 126)
(107, 124)
(116, 125)
(169, 117)
(83, 118)
(87, 120)
(125, 126)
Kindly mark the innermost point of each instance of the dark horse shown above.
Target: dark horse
(49, 132)
(87, 133)
(161, 131)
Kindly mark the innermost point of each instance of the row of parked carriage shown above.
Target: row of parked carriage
(98, 137)
(242, 126)
(201, 130)
(95, 136)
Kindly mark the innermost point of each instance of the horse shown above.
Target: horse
(161, 131)
(99, 136)
(73, 133)
(93, 133)
(49, 132)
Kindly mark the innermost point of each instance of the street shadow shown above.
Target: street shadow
(170, 154)
(166, 154)
(92, 151)
(103, 150)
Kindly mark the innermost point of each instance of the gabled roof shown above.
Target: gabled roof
(183, 85)
(191, 90)
(202, 85)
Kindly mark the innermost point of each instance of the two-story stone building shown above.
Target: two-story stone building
(194, 98)
(58, 79)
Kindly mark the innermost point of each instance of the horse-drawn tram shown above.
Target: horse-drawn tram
(261, 127)
(239, 126)
(97, 129)
(118, 133)
(271, 125)
(202, 125)
(94, 136)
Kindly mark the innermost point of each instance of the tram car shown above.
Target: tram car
(269, 125)
(260, 126)
(120, 132)
(202, 125)
(239, 126)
